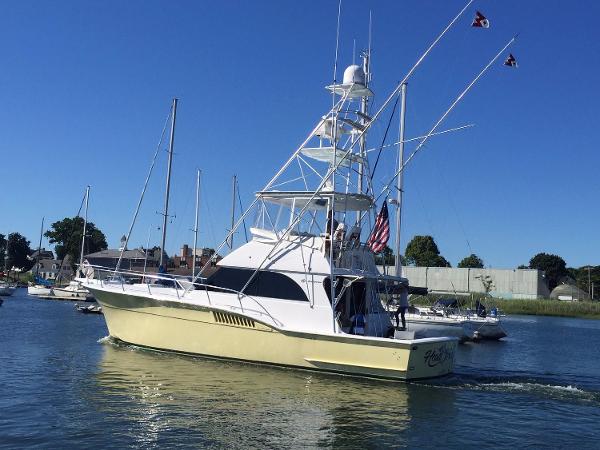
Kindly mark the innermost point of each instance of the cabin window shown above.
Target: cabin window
(264, 284)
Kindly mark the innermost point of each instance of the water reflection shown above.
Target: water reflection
(227, 404)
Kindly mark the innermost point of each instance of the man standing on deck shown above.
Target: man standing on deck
(402, 307)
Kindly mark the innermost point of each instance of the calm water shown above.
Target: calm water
(60, 388)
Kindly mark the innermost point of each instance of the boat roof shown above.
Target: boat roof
(318, 201)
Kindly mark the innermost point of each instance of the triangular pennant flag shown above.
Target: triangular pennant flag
(511, 61)
(480, 21)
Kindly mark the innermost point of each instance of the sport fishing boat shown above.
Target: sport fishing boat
(304, 292)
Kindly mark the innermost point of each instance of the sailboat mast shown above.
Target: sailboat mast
(233, 192)
(87, 199)
(37, 270)
(168, 187)
(400, 180)
(196, 223)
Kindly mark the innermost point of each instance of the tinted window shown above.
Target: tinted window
(264, 284)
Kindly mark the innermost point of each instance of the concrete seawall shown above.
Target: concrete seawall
(508, 283)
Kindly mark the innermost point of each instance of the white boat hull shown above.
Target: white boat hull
(39, 291)
(67, 294)
(424, 328)
(462, 328)
(202, 330)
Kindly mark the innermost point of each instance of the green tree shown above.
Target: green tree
(2, 249)
(18, 250)
(66, 234)
(471, 262)
(386, 257)
(553, 265)
(523, 266)
(422, 251)
(586, 277)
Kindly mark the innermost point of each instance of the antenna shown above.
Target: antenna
(337, 42)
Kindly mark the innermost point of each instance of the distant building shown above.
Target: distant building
(569, 292)
(507, 283)
(185, 260)
(49, 269)
(132, 259)
(45, 254)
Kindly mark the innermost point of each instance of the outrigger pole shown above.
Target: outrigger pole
(341, 160)
(441, 119)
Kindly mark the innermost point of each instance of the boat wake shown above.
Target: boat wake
(542, 386)
(105, 340)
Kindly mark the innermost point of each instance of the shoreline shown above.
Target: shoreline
(538, 307)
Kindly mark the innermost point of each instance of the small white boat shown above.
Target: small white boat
(89, 309)
(445, 319)
(39, 290)
(7, 289)
(74, 291)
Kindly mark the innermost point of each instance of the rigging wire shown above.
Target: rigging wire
(387, 129)
(137, 209)
(81, 206)
(241, 208)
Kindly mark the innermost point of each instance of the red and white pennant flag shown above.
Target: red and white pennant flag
(480, 21)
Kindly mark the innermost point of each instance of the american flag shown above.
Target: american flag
(381, 232)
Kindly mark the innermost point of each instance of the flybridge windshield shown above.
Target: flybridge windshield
(264, 284)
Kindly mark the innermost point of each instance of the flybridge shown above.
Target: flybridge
(318, 201)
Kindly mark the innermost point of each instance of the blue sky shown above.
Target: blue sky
(85, 88)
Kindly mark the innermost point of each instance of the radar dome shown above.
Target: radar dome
(354, 75)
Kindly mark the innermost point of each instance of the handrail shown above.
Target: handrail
(176, 280)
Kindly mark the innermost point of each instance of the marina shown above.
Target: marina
(298, 226)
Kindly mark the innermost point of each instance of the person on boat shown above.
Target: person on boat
(480, 309)
(402, 307)
(330, 229)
